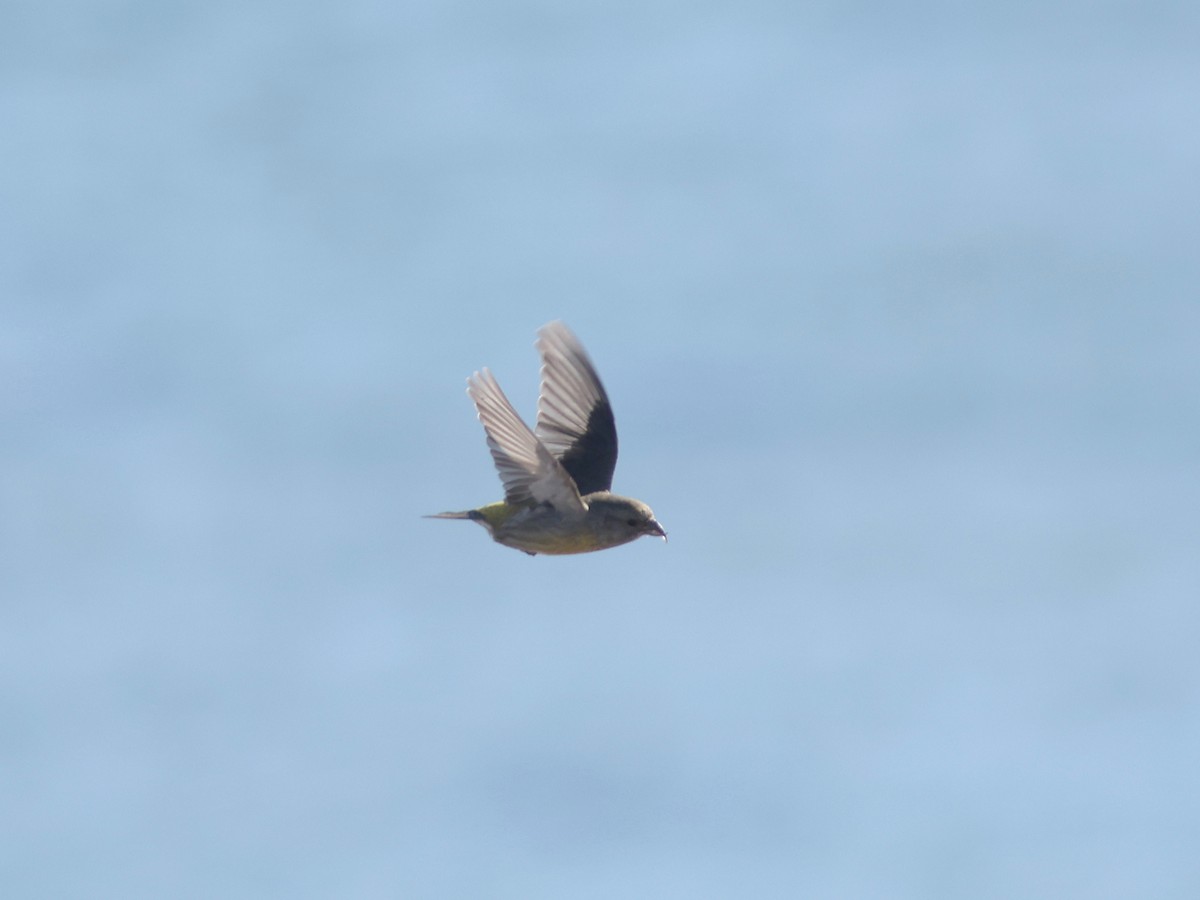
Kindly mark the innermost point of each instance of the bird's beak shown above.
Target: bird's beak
(652, 527)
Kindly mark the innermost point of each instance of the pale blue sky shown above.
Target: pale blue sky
(897, 310)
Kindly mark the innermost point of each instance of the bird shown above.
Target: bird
(557, 477)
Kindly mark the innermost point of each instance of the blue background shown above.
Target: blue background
(897, 307)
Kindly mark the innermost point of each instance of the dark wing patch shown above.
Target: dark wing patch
(593, 457)
(575, 420)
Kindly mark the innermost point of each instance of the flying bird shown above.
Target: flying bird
(557, 476)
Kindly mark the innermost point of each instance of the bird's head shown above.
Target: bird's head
(622, 519)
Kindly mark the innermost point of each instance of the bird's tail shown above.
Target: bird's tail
(465, 514)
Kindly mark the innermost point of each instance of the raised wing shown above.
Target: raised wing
(575, 420)
(529, 471)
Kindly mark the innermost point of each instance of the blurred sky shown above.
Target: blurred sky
(897, 308)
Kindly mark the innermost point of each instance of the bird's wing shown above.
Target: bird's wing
(529, 471)
(575, 420)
